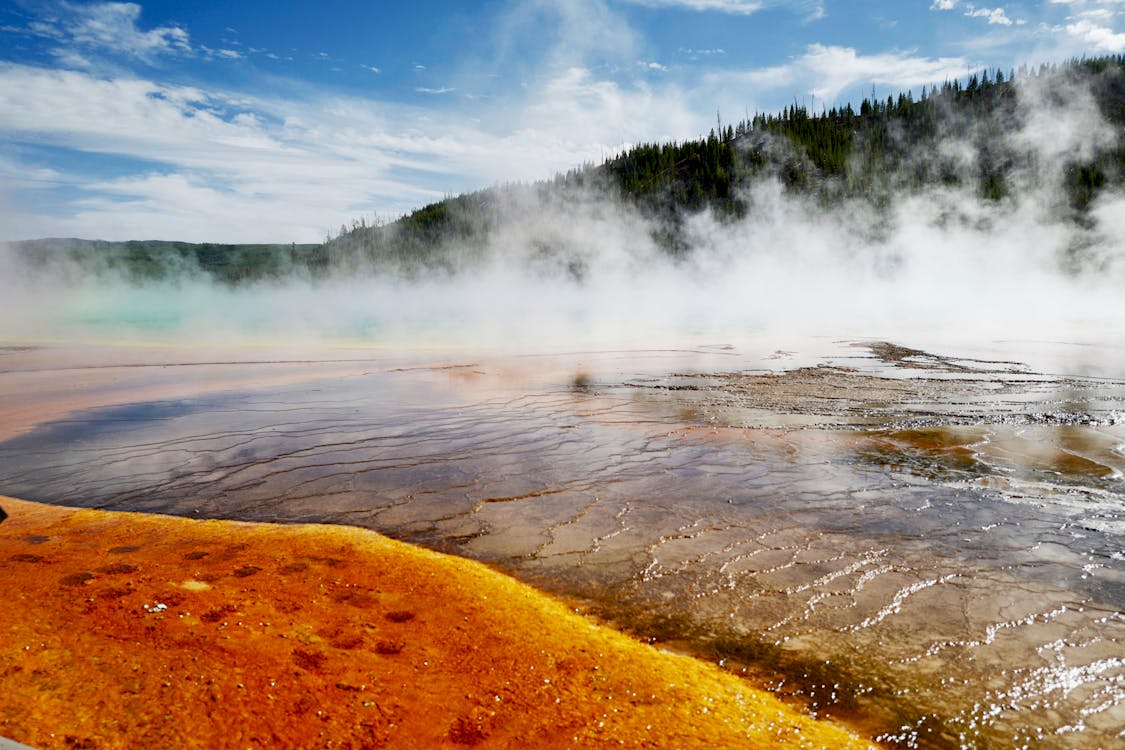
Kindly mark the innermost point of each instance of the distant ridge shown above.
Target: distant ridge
(158, 260)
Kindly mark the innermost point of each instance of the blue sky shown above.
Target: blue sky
(240, 122)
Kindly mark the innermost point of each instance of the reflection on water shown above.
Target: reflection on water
(933, 547)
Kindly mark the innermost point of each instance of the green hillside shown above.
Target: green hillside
(885, 148)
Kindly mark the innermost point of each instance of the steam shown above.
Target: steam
(587, 270)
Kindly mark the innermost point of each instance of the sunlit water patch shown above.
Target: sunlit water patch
(930, 546)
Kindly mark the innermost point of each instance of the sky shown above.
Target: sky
(213, 121)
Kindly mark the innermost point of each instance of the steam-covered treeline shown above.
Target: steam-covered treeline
(989, 139)
(156, 260)
(976, 138)
(887, 145)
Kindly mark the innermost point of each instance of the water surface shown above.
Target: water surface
(928, 543)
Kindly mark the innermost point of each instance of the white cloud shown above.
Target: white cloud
(229, 167)
(831, 72)
(738, 7)
(224, 54)
(114, 27)
(17, 176)
(812, 9)
(111, 28)
(440, 90)
(1100, 38)
(69, 57)
(1089, 27)
(581, 115)
(582, 33)
(184, 205)
(994, 15)
(1101, 14)
(279, 169)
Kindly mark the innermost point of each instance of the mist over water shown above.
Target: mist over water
(944, 260)
(587, 268)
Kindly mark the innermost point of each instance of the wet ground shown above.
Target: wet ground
(929, 543)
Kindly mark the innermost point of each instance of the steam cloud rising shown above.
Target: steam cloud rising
(939, 257)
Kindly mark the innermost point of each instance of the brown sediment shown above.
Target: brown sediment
(226, 634)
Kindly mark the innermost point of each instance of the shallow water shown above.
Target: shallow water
(930, 546)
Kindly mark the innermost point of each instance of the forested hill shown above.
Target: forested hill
(978, 136)
(981, 136)
(885, 145)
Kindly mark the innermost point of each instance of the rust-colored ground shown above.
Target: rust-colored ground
(126, 630)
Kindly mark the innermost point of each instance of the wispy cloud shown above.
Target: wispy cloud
(832, 72)
(1100, 38)
(738, 7)
(810, 9)
(997, 16)
(300, 167)
(222, 54)
(994, 16)
(1090, 25)
(702, 52)
(313, 158)
(1085, 3)
(290, 165)
(110, 28)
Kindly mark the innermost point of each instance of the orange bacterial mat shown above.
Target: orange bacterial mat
(128, 630)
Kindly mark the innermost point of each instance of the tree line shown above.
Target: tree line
(885, 147)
